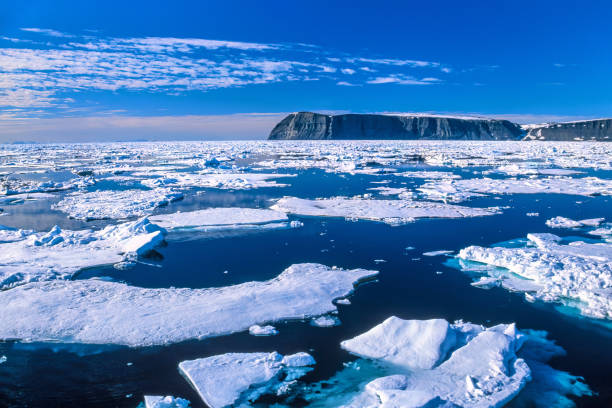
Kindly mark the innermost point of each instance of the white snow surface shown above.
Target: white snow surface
(222, 217)
(113, 204)
(393, 212)
(58, 254)
(101, 312)
(460, 190)
(257, 330)
(563, 222)
(234, 379)
(577, 274)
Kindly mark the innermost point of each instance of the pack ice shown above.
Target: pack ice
(127, 315)
(27, 256)
(393, 212)
(460, 190)
(115, 204)
(577, 274)
(211, 218)
(431, 363)
(236, 379)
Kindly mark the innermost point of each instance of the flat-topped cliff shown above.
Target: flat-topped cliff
(585, 130)
(316, 126)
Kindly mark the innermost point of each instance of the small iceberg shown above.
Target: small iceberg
(235, 379)
(155, 401)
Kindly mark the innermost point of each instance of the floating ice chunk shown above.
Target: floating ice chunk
(59, 254)
(13, 187)
(296, 224)
(325, 321)
(529, 169)
(434, 363)
(257, 330)
(562, 222)
(218, 218)
(230, 181)
(20, 198)
(430, 175)
(578, 274)
(389, 211)
(437, 253)
(115, 204)
(459, 190)
(154, 401)
(3, 359)
(133, 316)
(235, 378)
(401, 192)
(409, 343)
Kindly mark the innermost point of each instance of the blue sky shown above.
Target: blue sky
(131, 70)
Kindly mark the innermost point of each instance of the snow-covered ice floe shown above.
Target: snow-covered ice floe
(576, 274)
(15, 187)
(115, 204)
(20, 198)
(27, 256)
(228, 181)
(257, 330)
(157, 401)
(394, 212)
(460, 190)
(221, 218)
(101, 312)
(236, 379)
(562, 222)
(432, 363)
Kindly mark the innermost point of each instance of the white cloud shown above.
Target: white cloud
(47, 31)
(35, 75)
(403, 80)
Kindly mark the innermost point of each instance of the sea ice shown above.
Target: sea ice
(228, 181)
(235, 379)
(115, 204)
(127, 315)
(459, 190)
(437, 253)
(578, 274)
(394, 212)
(562, 222)
(155, 401)
(219, 218)
(257, 330)
(434, 363)
(59, 254)
(325, 321)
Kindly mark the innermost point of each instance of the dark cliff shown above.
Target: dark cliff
(314, 126)
(587, 130)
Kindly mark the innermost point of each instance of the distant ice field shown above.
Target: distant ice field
(157, 222)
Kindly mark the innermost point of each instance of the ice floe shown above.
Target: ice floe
(235, 379)
(577, 274)
(394, 212)
(459, 190)
(562, 222)
(229, 181)
(118, 204)
(220, 218)
(257, 330)
(156, 401)
(422, 363)
(58, 254)
(127, 315)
